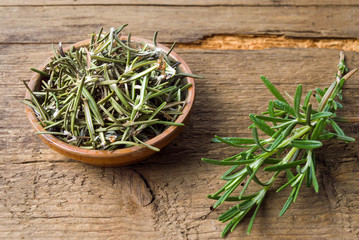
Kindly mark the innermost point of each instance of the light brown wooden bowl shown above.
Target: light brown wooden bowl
(118, 157)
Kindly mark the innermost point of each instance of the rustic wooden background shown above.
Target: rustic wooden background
(44, 195)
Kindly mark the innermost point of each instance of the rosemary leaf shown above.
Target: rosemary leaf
(290, 139)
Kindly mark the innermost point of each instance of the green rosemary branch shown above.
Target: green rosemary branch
(293, 134)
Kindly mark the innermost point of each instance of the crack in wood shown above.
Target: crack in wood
(250, 42)
(260, 42)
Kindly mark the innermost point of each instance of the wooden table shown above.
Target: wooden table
(231, 43)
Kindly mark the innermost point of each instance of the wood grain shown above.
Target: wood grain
(52, 24)
(44, 195)
(47, 196)
(182, 2)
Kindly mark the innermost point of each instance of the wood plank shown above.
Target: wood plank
(182, 2)
(187, 24)
(46, 195)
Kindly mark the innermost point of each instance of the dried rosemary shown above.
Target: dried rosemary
(294, 132)
(111, 94)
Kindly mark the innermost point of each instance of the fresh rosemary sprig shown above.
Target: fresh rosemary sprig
(294, 132)
(112, 94)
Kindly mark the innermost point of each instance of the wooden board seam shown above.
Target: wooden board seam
(266, 41)
(252, 42)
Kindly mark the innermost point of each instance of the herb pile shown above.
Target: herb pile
(112, 94)
(294, 131)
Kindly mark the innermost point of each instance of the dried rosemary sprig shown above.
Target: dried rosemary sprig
(111, 94)
(294, 132)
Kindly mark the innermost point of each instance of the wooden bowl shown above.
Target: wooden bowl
(118, 157)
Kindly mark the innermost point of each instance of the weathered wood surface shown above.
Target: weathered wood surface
(44, 195)
(183, 2)
(52, 24)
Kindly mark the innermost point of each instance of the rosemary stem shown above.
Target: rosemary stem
(297, 129)
(110, 94)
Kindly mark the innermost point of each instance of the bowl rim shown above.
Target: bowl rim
(156, 141)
